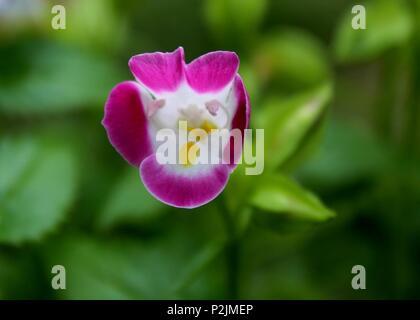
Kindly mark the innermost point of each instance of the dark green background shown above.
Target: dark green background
(341, 185)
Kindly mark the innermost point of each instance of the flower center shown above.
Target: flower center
(196, 119)
(205, 125)
(189, 153)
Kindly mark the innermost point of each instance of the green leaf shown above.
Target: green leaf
(279, 194)
(182, 262)
(291, 60)
(233, 19)
(15, 156)
(309, 146)
(39, 199)
(130, 202)
(346, 155)
(205, 257)
(389, 24)
(59, 79)
(288, 122)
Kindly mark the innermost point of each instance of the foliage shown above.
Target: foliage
(336, 191)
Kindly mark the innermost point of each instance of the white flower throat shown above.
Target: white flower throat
(199, 111)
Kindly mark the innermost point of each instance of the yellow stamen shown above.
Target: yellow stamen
(189, 153)
(207, 126)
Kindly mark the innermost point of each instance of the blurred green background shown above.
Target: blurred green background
(341, 186)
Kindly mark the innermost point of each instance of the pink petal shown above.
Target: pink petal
(213, 71)
(183, 189)
(159, 71)
(240, 120)
(126, 123)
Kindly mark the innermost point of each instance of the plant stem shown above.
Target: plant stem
(233, 268)
(232, 250)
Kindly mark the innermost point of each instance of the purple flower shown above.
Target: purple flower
(207, 93)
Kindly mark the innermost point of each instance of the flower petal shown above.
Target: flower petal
(240, 120)
(243, 110)
(159, 72)
(185, 187)
(213, 71)
(126, 123)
